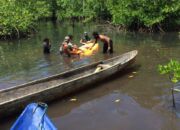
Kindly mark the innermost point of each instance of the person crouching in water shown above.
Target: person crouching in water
(108, 43)
(46, 46)
(66, 46)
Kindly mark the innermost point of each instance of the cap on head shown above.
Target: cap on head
(66, 38)
(85, 33)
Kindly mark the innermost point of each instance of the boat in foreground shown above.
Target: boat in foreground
(47, 89)
(34, 117)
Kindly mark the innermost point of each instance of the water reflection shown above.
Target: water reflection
(25, 56)
(104, 114)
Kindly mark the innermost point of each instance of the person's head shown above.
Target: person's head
(46, 40)
(67, 38)
(95, 35)
(85, 33)
(70, 37)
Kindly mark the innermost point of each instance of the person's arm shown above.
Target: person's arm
(44, 44)
(109, 46)
(89, 41)
(94, 42)
(81, 41)
(49, 45)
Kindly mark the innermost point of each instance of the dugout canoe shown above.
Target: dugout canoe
(47, 89)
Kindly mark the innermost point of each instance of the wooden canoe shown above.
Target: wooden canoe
(47, 89)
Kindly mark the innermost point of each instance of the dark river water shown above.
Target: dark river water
(136, 99)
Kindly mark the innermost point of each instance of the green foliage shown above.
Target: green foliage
(147, 13)
(19, 16)
(87, 9)
(172, 69)
(69, 8)
(129, 13)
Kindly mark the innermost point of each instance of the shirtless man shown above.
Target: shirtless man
(108, 44)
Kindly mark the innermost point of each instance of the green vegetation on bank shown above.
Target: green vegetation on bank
(172, 69)
(150, 14)
(19, 17)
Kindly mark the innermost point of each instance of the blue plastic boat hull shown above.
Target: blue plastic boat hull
(34, 118)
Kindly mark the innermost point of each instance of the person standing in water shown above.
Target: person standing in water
(46, 46)
(108, 43)
(66, 46)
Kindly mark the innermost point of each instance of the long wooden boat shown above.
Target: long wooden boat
(47, 89)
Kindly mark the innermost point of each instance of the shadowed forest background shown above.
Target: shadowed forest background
(19, 18)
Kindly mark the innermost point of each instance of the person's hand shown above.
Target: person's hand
(109, 48)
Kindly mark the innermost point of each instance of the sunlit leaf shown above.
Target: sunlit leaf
(117, 100)
(172, 69)
(73, 99)
(130, 76)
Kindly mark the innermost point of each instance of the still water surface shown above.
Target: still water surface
(138, 99)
